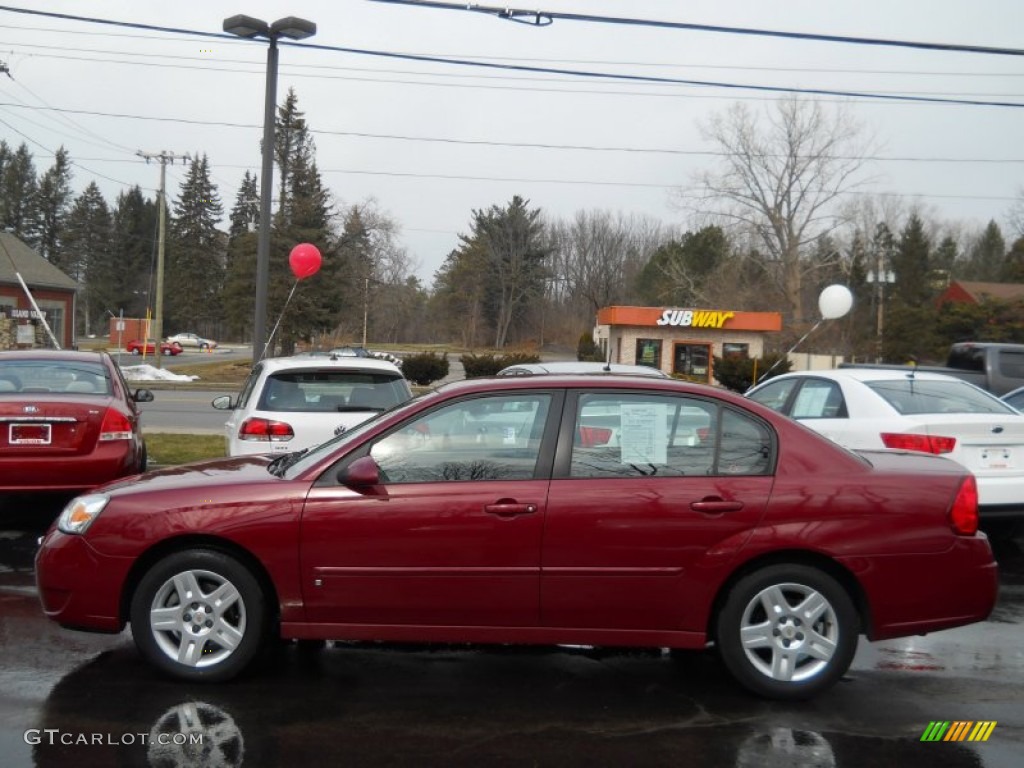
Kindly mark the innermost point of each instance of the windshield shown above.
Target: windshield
(38, 376)
(328, 390)
(318, 452)
(919, 396)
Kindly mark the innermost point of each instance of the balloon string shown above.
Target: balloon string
(279, 317)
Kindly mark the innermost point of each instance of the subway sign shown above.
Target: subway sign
(695, 318)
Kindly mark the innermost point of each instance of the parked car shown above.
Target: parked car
(917, 411)
(68, 421)
(136, 347)
(997, 368)
(478, 513)
(290, 403)
(578, 366)
(192, 340)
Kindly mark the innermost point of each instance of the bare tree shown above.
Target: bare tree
(1016, 215)
(782, 174)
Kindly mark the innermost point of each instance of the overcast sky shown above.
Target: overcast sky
(430, 187)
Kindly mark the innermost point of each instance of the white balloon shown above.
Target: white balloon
(835, 301)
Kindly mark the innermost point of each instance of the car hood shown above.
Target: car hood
(249, 470)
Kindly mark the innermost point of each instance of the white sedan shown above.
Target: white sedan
(291, 403)
(928, 412)
(192, 340)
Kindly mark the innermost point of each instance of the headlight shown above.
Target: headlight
(80, 512)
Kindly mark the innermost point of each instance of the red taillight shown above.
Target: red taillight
(963, 515)
(923, 443)
(115, 426)
(265, 430)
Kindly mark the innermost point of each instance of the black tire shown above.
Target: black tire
(135, 351)
(186, 589)
(802, 652)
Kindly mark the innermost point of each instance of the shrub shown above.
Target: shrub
(587, 349)
(481, 365)
(425, 368)
(737, 373)
(489, 364)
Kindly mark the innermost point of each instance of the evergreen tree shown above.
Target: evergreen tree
(133, 244)
(52, 206)
(240, 260)
(19, 191)
(985, 257)
(511, 239)
(1013, 264)
(910, 318)
(679, 270)
(303, 216)
(194, 273)
(90, 258)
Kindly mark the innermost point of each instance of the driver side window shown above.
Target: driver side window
(483, 438)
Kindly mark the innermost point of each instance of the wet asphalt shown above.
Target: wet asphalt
(76, 699)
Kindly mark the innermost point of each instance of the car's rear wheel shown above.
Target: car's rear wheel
(787, 631)
(199, 615)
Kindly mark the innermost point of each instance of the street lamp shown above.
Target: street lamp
(292, 28)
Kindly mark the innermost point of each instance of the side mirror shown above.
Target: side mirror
(143, 396)
(361, 473)
(222, 403)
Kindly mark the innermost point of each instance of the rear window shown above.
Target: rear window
(42, 376)
(332, 391)
(918, 396)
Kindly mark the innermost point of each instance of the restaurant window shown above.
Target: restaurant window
(692, 362)
(648, 352)
(735, 351)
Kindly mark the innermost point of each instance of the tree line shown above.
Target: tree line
(770, 226)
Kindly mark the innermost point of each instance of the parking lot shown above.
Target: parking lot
(70, 698)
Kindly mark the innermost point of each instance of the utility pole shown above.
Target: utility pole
(163, 158)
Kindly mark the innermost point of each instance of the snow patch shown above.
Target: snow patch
(149, 373)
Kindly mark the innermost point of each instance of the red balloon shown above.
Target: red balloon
(304, 260)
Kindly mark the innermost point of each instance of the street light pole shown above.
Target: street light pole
(251, 28)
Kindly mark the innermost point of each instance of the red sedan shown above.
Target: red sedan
(608, 510)
(68, 421)
(137, 347)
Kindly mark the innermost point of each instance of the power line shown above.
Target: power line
(532, 89)
(663, 65)
(549, 70)
(492, 143)
(545, 18)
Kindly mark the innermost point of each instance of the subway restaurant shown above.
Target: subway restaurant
(682, 340)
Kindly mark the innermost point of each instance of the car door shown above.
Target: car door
(452, 535)
(646, 488)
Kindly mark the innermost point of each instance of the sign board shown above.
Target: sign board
(26, 334)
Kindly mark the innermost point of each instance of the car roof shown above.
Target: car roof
(610, 381)
(579, 366)
(866, 374)
(68, 355)
(275, 364)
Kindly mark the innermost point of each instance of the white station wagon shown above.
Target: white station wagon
(291, 403)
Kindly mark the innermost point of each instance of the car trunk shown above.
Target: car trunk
(40, 427)
(987, 444)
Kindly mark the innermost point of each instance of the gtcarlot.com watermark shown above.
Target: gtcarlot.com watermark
(55, 737)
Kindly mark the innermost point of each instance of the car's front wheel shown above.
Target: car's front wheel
(135, 351)
(787, 631)
(199, 615)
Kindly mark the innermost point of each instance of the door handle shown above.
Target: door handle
(715, 505)
(507, 508)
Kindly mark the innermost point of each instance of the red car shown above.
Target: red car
(68, 421)
(136, 347)
(609, 510)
